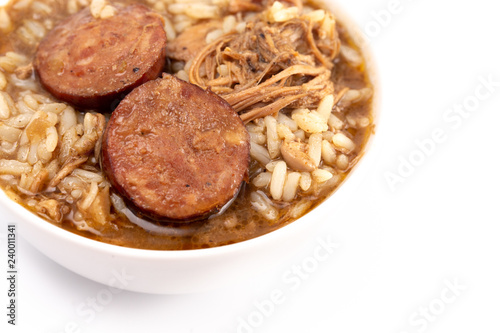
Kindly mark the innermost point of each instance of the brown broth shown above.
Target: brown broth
(239, 222)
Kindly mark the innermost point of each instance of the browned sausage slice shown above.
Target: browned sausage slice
(91, 62)
(176, 151)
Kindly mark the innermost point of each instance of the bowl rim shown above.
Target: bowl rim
(116, 250)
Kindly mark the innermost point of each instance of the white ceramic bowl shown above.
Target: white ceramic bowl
(177, 272)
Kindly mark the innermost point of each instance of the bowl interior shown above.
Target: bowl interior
(171, 272)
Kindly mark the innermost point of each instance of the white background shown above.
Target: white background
(399, 252)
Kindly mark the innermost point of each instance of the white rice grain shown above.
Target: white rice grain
(182, 75)
(41, 7)
(263, 179)
(335, 123)
(289, 122)
(6, 105)
(328, 153)
(5, 22)
(223, 70)
(202, 11)
(353, 96)
(363, 122)
(240, 27)
(90, 197)
(328, 135)
(342, 162)
(40, 98)
(357, 121)
(228, 24)
(341, 141)
(11, 60)
(22, 4)
(261, 203)
(213, 35)
(13, 167)
(33, 153)
(279, 13)
(23, 140)
(291, 186)
(286, 14)
(96, 6)
(31, 102)
(56, 108)
(44, 155)
(169, 29)
(259, 138)
(88, 176)
(23, 84)
(231, 221)
(9, 134)
(177, 8)
(300, 134)
(273, 141)
(271, 165)
(26, 35)
(72, 6)
(314, 148)
(321, 176)
(22, 153)
(305, 181)
(53, 168)
(259, 122)
(334, 181)
(3, 81)
(23, 108)
(70, 183)
(48, 24)
(325, 107)
(300, 208)
(181, 18)
(7, 148)
(351, 55)
(35, 28)
(50, 118)
(77, 194)
(159, 7)
(117, 202)
(181, 26)
(78, 216)
(259, 153)
(52, 139)
(278, 180)
(309, 121)
(188, 65)
(254, 128)
(67, 120)
(284, 132)
(107, 12)
(219, 3)
(177, 66)
(315, 15)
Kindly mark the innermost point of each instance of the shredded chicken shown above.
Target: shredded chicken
(191, 41)
(270, 66)
(94, 124)
(24, 72)
(71, 164)
(53, 209)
